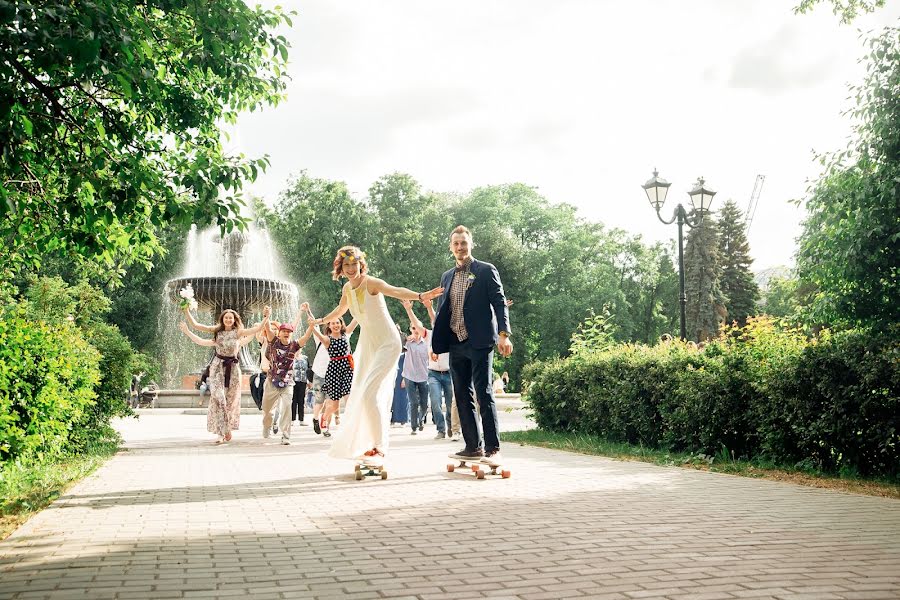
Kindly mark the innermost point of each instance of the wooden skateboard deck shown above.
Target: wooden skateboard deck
(477, 467)
(366, 468)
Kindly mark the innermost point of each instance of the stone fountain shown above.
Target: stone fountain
(237, 271)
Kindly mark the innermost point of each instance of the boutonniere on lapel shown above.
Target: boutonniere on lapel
(471, 280)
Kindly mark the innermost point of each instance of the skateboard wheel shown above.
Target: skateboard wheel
(359, 475)
(476, 468)
(505, 474)
(479, 474)
(384, 474)
(451, 468)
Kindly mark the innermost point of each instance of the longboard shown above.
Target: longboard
(476, 466)
(366, 468)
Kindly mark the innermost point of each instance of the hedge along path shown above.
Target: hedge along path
(828, 404)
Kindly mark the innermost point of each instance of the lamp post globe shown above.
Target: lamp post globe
(701, 197)
(656, 190)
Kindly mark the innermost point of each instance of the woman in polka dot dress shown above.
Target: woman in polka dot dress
(339, 376)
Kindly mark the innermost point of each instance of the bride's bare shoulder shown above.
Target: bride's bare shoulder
(374, 285)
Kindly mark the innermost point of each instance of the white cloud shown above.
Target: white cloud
(581, 98)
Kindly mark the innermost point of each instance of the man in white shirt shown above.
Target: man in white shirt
(440, 384)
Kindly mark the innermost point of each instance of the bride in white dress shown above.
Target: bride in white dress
(364, 432)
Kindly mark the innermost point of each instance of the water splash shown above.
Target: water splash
(238, 271)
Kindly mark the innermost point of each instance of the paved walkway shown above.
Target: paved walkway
(174, 517)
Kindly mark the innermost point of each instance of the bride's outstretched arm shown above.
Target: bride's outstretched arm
(342, 308)
(400, 293)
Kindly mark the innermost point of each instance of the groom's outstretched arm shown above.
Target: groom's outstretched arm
(498, 301)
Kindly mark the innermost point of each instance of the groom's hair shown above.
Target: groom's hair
(461, 229)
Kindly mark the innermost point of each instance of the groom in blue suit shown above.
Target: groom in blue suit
(471, 320)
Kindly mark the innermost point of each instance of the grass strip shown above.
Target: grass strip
(28, 487)
(720, 463)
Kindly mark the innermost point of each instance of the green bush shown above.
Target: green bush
(553, 394)
(112, 390)
(762, 390)
(48, 375)
(838, 405)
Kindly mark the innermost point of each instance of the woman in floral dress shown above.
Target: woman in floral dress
(229, 334)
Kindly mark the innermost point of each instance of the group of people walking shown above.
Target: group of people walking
(457, 352)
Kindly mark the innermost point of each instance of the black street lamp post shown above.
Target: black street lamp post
(701, 199)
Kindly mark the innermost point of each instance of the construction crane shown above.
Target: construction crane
(754, 200)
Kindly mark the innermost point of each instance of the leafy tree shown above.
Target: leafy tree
(413, 228)
(846, 9)
(140, 293)
(736, 283)
(110, 115)
(705, 308)
(146, 364)
(54, 301)
(557, 268)
(781, 297)
(312, 219)
(851, 236)
(648, 306)
(654, 286)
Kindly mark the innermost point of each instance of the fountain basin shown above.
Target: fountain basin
(242, 294)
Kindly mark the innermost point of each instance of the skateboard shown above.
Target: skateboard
(476, 466)
(365, 468)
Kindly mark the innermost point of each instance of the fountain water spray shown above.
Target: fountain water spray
(238, 271)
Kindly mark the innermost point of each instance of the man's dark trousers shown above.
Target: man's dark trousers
(471, 370)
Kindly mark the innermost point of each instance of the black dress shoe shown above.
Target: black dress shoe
(477, 453)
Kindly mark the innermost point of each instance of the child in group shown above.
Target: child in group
(339, 375)
(279, 387)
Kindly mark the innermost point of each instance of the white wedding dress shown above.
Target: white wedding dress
(367, 416)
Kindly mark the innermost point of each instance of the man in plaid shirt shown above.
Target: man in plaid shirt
(472, 319)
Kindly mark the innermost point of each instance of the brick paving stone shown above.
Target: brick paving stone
(174, 517)
(763, 593)
(809, 596)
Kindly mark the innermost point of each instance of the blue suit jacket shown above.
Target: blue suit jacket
(483, 309)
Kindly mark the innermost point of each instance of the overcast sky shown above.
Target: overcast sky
(581, 98)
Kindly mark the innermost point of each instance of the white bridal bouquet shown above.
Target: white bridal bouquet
(187, 297)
